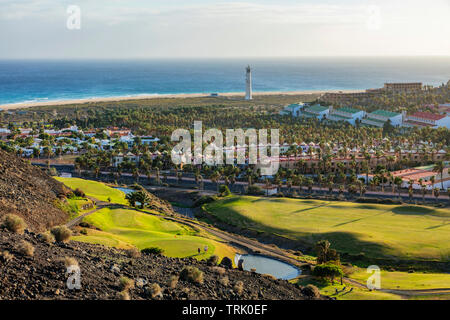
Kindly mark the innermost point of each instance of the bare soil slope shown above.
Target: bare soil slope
(43, 275)
(29, 192)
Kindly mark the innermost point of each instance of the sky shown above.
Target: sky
(122, 29)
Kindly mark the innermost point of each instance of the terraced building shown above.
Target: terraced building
(380, 117)
(346, 114)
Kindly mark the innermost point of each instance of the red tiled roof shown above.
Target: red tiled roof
(428, 115)
(418, 123)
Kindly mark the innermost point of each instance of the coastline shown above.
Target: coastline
(21, 105)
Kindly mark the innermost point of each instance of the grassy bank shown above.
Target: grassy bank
(406, 281)
(371, 230)
(95, 189)
(125, 228)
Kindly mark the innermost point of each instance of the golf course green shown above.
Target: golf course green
(128, 227)
(95, 189)
(373, 230)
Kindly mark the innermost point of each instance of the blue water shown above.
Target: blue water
(265, 265)
(30, 81)
(125, 190)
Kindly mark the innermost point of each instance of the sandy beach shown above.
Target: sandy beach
(157, 96)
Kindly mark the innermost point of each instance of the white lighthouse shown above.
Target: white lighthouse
(248, 83)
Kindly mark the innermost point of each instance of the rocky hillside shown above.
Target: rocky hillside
(29, 192)
(42, 275)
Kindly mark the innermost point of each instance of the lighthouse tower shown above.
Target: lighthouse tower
(248, 83)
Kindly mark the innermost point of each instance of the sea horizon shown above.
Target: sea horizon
(52, 80)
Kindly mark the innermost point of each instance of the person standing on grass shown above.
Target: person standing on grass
(198, 249)
(206, 249)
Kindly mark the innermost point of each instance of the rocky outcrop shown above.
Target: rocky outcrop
(43, 275)
(29, 192)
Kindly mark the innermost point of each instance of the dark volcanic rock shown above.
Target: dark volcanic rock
(29, 192)
(43, 276)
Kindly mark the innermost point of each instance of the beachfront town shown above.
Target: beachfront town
(411, 165)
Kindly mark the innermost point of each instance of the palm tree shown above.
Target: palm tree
(382, 175)
(398, 182)
(136, 174)
(366, 167)
(131, 198)
(436, 193)
(158, 177)
(433, 181)
(143, 198)
(215, 177)
(424, 191)
(96, 169)
(439, 168)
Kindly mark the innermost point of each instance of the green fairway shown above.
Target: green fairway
(406, 281)
(373, 230)
(328, 289)
(126, 228)
(95, 189)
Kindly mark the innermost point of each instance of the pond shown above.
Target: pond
(125, 190)
(266, 265)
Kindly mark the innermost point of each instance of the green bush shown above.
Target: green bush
(255, 190)
(203, 200)
(79, 193)
(153, 250)
(328, 271)
(224, 191)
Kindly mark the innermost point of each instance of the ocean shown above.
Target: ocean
(47, 80)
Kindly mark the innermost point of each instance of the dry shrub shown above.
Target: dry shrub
(239, 287)
(154, 290)
(269, 276)
(5, 256)
(133, 253)
(173, 281)
(219, 270)
(186, 291)
(25, 248)
(14, 223)
(126, 283)
(47, 237)
(123, 295)
(213, 260)
(61, 233)
(69, 261)
(311, 291)
(224, 281)
(192, 274)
